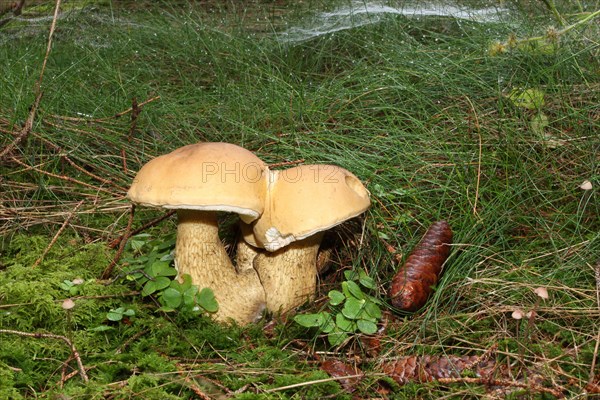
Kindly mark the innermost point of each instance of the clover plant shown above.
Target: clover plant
(152, 267)
(351, 310)
(117, 314)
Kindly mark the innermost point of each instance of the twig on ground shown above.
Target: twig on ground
(59, 150)
(135, 111)
(193, 387)
(140, 105)
(62, 177)
(124, 158)
(64, 376)
(93, 176)
(25, 131)
(108, 271)
(74, 352)
(55, 238)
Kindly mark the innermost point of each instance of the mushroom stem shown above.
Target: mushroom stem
(245, 255)
(289, 275)
(200, 253)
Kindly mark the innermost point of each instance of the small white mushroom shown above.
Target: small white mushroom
(68, 304)
(586, 185)
(542, 292)
(517, 314)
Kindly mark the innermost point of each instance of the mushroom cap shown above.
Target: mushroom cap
(204, 176)
(304, 200)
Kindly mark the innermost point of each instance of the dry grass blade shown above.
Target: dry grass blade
(109, 269)
(314, 382)
(55, 238)
(101, 178)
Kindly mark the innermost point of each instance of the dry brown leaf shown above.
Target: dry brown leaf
(339, 369)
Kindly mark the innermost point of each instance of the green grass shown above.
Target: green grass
(417, 108)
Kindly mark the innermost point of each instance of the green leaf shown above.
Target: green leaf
(129, 312)
(162, 282)
(206, 300)
(167, 257)
(336, 338)
(135, 276)
(115, 315)
(310, 320)
(372, 310)
(336, 297)
(187, 282)
(366, 280)
(136, 245)
(162, 268)
(343, 323)
(365, 316)
(350, 275)
(189, 296)
(138, 262)
(383, 235)
(328, 325)
(190, 308)
(175, 284)
(530, 99)
(373, 299)
(172, 298)
(353, 289)
(366, 327)
(101, 328)
(352, 308)
(149, 288)
(166, 245)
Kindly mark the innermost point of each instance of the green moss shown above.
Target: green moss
(7, 382)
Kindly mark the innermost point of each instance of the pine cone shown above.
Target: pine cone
(412, 284)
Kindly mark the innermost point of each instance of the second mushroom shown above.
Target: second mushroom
(302, 203)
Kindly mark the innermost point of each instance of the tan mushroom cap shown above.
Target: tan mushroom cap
(305, 200)
(204, 176)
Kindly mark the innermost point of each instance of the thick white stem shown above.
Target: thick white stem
(200, 253)
(289, 275)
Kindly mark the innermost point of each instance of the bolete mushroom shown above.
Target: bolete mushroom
(302, 203)
(199, 180)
